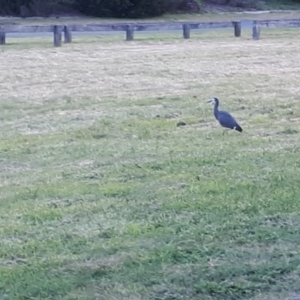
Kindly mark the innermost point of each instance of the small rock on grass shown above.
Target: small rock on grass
(181, 123)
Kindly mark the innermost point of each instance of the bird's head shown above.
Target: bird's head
(213, 100)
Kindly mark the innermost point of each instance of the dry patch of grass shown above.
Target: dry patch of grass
(102, 196)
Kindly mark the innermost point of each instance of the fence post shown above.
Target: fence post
(67, 34)
(57, 36)
(256, 31)
(2, 38)
(186, 31)
(237, 28)
(129, 33)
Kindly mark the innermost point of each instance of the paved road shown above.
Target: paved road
(245, 24)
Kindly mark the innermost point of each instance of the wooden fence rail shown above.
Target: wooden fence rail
(130, 28)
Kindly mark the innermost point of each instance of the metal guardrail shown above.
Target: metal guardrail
(131, 27)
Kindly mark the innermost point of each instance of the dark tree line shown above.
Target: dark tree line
(119, 9)
(100, 8)
(111, 8)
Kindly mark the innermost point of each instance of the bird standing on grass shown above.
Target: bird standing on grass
(225, 119)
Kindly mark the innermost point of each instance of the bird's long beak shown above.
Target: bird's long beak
(210, 100)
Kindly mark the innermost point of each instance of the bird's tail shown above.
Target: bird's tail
(238, 128)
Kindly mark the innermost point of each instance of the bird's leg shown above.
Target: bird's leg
(226, 130)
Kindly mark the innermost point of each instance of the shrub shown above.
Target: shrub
(237, 3)
(27, 8)
(122, 8)
(8, 7)
(244, 3)
(174, 6)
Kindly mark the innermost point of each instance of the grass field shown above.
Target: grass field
(102, 196)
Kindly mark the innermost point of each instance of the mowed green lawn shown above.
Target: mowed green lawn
(102, 196)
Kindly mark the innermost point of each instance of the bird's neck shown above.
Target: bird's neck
(216, 110)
